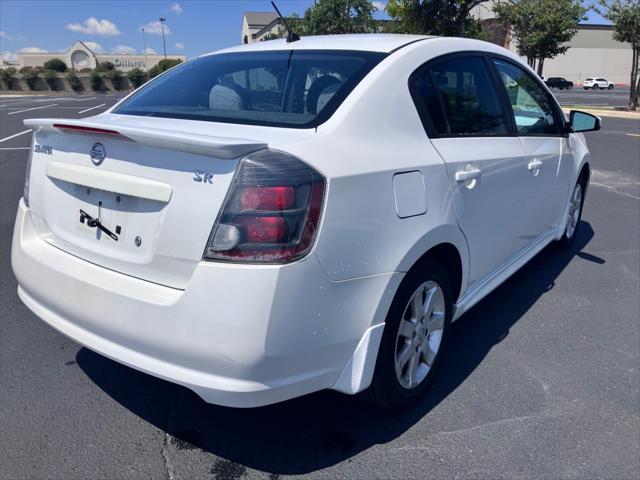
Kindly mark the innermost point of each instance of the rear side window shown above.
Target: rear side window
(533, 108)
(287, 88)
(460, 98)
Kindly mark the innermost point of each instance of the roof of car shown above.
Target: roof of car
(373, 42)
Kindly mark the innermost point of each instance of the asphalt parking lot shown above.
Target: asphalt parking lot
(619, 97)
(542, 380)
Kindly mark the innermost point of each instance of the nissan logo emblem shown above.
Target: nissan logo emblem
(98, 154)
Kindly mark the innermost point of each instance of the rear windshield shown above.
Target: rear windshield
(287, 88)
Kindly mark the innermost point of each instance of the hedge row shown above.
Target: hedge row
(106, 70)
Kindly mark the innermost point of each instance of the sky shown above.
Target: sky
(193, 27)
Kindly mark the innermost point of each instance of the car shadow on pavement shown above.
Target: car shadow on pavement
(319, 430)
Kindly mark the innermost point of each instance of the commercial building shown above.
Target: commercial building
(79, 56)
(592, 52)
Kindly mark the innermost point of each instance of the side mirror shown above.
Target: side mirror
(583, 121)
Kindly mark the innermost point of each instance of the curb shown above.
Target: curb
(606, 113)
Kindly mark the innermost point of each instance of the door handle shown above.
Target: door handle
(535, 165)
(466, 175)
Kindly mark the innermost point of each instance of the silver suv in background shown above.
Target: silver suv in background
(598, 83)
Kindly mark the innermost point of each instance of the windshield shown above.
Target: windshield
(292, 88)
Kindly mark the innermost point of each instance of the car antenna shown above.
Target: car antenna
(291, 36)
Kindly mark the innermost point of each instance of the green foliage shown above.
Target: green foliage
(74, 81)
(51, 78)
(542, 28)
(85, 70)
(162, 66)
(625, 15)
(96, 81)
(7, 75)
(56, 65)
(329, 17)
(30, 76)
(117, 80)
(434, 17)
(105, 67)
(136, 76)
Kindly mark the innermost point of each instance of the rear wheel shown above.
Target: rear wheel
(596, 87)
(415, 335)
(575, 214)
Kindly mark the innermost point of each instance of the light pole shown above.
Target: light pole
(164, 46)
(144, 44)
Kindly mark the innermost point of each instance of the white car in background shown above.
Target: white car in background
(598, 83)
(280, 218)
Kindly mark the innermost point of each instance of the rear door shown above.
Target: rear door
(540, 128)
(466, 119)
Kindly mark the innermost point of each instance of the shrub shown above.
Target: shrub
(8, 75)
(56, 65)
(30, 76)
(51, 77)
(162, 66)
(96, 81)
(39, 69)
(85, 70)
(74, 81)
(116, 78)
(105, 67)
(136, 77)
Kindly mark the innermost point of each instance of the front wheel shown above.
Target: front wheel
(610, 87)
(575, 214)
(415, 335)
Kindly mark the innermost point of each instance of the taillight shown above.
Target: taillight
(271, 213)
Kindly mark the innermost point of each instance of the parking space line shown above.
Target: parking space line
(633, 134)
(14, 136)
(14, 148)
(34, 108)
(92, 108)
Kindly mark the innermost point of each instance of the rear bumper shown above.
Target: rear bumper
(238, 335)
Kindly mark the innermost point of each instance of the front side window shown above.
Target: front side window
(288, 88)
(533, 107)
(460, 97)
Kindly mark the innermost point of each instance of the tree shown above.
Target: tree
(74, 81)
(51, 79)
(105, 66)
(328, 17)
(434, 17)
(8, 75)
(30, 76)
(96, 81)
(161, 66)
(542, 28)
(136, 77)
(116, 78)
(625, 15)
(56, 65)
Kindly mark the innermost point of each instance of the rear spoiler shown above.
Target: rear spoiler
(221, 147)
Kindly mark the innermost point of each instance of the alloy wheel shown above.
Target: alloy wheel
(419, 334)
(575, 205)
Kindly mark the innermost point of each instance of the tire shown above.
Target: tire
(573, 223)
(396, 391)
(596, 87)
(610, 87)
(586, 88)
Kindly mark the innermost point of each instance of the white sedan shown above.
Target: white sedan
(598, 83)
(279, 218)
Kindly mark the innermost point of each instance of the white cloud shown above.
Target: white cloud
(155, 28)
(179, 46)
(9, 56)
(379, 6)
(93, 26)
(150, 51)
(176, 8)
(96, 47)
(5, 35)
(32, 50)
(123, 49)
